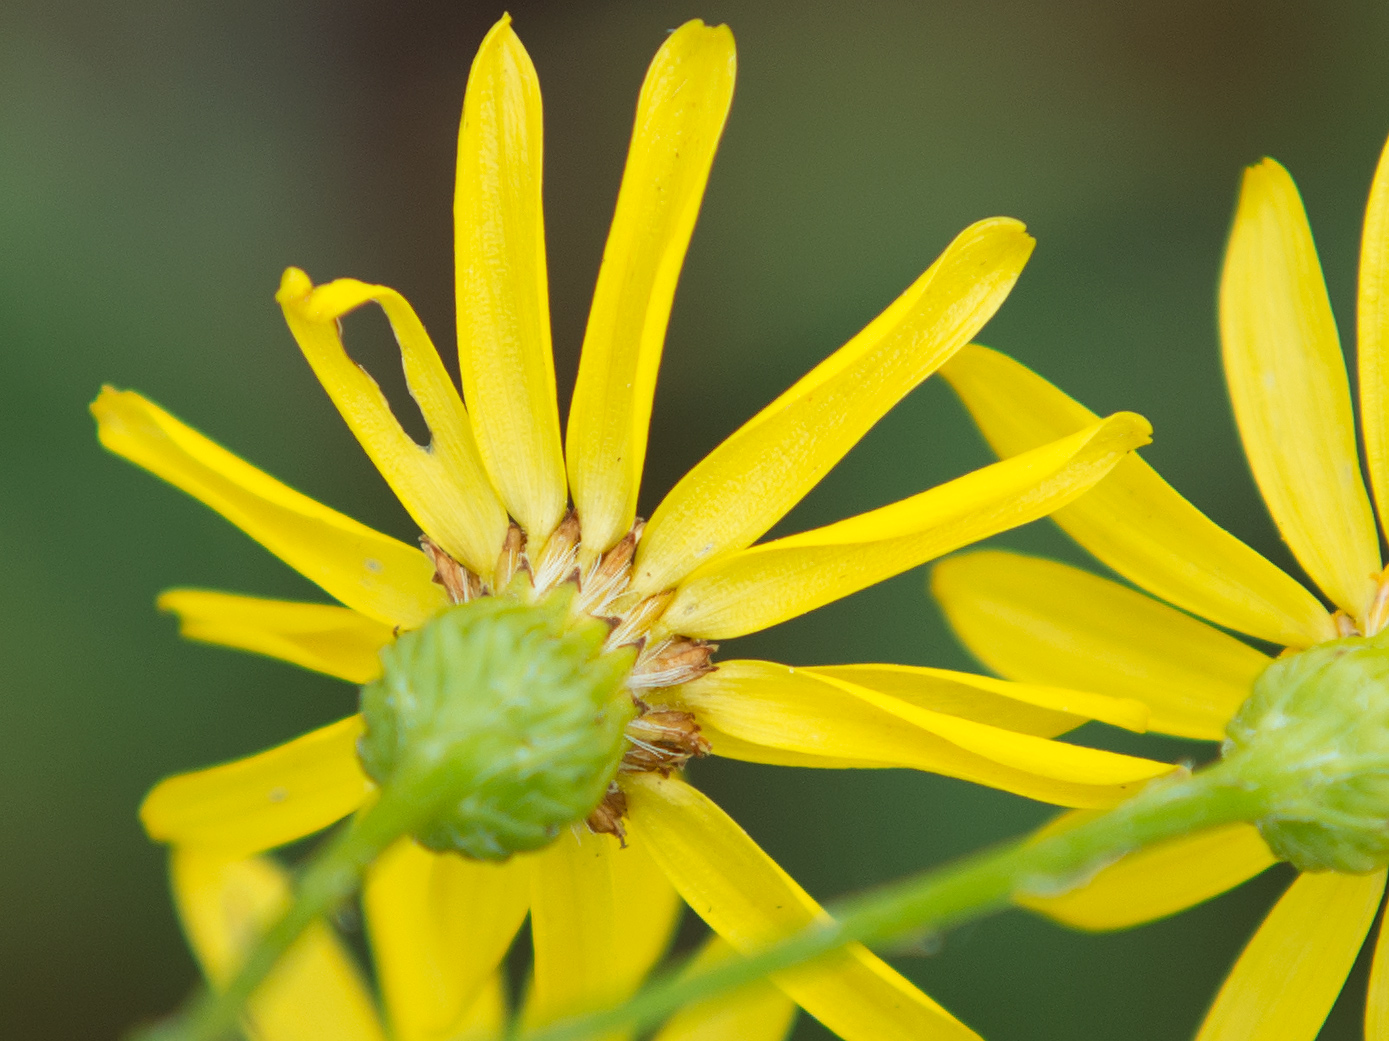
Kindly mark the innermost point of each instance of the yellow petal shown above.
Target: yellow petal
(1162, 879)
(648, 911)
(315, 993)
(600, 917)
(680, 116)
(1288, 976)
(731, 498)
(369, 572)
(752, 589)
(1038, 621)
(748, 900)
(442, 486)
(1133, 520)
(757, 1012)
(1288, 384)
(487, 1018)
(439, 927)
(1024, 707)
(502, 296)
(775, 713)
(335, 640)
(1372, 324)
(1377, 998)
(264, 800)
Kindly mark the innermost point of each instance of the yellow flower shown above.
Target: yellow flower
(491, 492)
(317, 991)
(1043, 622)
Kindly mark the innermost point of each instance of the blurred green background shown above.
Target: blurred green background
(161, 162)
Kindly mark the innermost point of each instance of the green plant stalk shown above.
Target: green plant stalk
(330, 878)
(972, 888)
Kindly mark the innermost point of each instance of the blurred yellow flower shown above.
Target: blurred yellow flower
(491, 492)
(1042, 622)
(317, 991)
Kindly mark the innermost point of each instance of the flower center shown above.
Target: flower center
(655, 740)
(495, 724)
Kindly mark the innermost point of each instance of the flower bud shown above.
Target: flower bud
(1314, 735)
(506, 717)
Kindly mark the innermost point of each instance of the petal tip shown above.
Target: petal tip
(102, 404)
(149, 814)
(1132, 427)
(172, 601)
(1264, 182)
(502, 36)
(295, 287)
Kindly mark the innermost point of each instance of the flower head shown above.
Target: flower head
(506, 512)
(1044, 622)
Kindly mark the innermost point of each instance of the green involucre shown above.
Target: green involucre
(506, 717)
(1314, 736)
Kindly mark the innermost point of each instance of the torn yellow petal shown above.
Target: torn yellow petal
(314, 993)
(756, 1012)
(752, 589)
(334, 640)
(502, 298)
(1288, 976)
(680, 115)
(1377, 997)
(749, 482)
(443, 485)
(439, 926)
(600, 917)
(1037, 621)
(790, 716)
(264, 800)
(1288, 384)
(1372, 327)
(1025, 707)
(748, 900)
(1161, 879)
(373, 573)
(1134, 521)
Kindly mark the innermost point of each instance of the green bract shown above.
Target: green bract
(505, 717)
(1314, 735)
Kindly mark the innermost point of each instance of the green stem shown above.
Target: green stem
(974, 887)
(330, 878)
